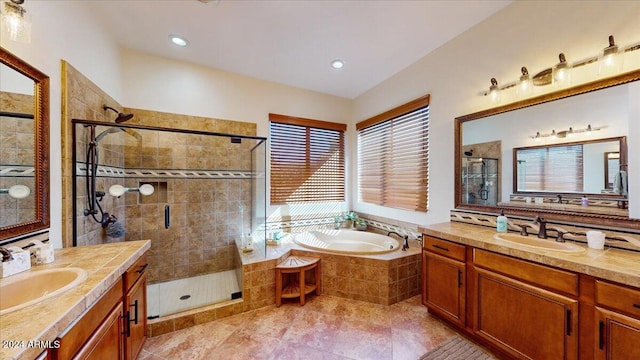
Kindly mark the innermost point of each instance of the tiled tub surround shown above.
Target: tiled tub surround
(381, 279)
(44, 321)
(621, 266)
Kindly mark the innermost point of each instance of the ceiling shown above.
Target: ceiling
(293, 42)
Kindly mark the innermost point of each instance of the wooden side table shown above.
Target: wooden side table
(292, 267)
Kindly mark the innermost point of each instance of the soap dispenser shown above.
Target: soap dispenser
(502, 223)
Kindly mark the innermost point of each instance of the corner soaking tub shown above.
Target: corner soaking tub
(347, 242)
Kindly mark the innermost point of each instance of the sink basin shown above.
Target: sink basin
(19, 291)
(537, 243)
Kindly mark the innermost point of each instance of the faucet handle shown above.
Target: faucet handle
(561, 232)
(523, 229)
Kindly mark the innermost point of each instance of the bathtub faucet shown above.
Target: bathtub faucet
(405, 244)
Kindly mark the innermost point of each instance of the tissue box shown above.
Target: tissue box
(21, 262)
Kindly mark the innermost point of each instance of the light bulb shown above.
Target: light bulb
(553, 134)
(525, 85)
(561, 72)
(494, 91)
(609, 61)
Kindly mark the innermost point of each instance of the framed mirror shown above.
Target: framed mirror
(591, 119)
(24, 147)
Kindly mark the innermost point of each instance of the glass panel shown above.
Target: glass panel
(204, 185)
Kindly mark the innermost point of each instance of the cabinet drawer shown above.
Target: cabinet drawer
(540, 275)
(135, 272)
(444, 248)
(618, 297)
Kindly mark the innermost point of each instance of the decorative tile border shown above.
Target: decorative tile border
(112, 171)
(17, 171)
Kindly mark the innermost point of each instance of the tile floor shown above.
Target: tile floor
(327, 327)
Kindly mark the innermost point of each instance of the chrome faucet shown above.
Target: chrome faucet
(405, 244)
(542, 227)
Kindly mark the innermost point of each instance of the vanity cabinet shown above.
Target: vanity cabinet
(617, 321)
(135, 305)
(114, 327)
(540, 302)
(444, 279)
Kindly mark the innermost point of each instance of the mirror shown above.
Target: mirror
(589, 120)
(24, 147)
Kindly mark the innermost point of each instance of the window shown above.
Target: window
(393, 153)
(307, 160)
(555, 169)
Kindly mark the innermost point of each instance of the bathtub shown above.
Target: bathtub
(347, 242)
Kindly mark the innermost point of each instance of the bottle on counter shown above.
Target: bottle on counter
(502, 223)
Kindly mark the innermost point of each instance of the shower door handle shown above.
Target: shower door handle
(167, 216)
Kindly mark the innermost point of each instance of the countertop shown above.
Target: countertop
(45, 321)
(621, 266)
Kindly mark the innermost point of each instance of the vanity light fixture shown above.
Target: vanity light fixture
(337, 64)
(525, 85)
(561, 73)
(609, 61)
(178, 40)
(15, 21)
(565, 133)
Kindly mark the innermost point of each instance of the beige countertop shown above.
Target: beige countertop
(620, 266)
(44, 321)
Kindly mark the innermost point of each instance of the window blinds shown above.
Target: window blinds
(307, 160)
(393, 158)
(553, 169)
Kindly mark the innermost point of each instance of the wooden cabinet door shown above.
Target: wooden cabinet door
(444, 284)
(525, 321)
(136, 305)
(617, 336)
(106, 343)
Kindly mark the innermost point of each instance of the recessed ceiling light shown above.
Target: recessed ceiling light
(178, 40)
(337, 64)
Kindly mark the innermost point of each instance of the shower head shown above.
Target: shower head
(468, 153)
(122, 117)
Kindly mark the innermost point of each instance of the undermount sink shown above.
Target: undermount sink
(537, 243)
(19, 291)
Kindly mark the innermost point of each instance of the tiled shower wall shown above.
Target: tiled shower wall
(205, 208)
(16, 147)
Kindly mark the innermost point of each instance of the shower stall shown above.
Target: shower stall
(479, 181)
(194, 194)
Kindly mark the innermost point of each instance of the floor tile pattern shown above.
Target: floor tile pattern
(327, 327)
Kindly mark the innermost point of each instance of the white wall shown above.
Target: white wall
(525, 33)
(66, 30)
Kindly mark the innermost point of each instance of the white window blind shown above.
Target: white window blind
(393, 153)
(307, 160)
